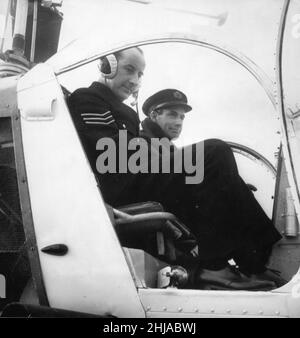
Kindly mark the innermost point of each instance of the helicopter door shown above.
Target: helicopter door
(83, 265)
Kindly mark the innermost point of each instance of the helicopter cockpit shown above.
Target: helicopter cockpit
(242, 91)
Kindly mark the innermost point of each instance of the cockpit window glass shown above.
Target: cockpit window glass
(228, 102)
(291, 60)
(290, 72)
(226, 22)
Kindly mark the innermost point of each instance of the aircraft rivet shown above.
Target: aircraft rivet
(277, 313)
(196, 310)
(228, 311)
(179, 309)
(148, 308)
(245, 311)
(212, 310)
(164, 308)
(261, 312)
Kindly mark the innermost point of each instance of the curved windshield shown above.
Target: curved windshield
(290, 67)
(207, 21)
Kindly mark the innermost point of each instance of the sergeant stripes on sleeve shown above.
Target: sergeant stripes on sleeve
(97, 118)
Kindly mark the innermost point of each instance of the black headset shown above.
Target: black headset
(108, 66)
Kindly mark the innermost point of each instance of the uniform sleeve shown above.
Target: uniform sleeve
(94, 120)
(92, 117)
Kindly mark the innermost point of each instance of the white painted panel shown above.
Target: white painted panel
(67, 208)
(199, 303)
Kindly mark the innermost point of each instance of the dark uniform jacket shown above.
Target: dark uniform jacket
(98, 113)
(151, 129)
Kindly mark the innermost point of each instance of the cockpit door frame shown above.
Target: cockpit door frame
(290, 141)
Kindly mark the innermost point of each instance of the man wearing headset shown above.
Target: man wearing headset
(219, 222)
(98, 111)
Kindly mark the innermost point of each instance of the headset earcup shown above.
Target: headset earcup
(109, 65)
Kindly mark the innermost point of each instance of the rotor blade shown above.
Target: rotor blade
(145, 2)
(221, 18)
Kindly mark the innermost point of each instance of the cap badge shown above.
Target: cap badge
(177, 95)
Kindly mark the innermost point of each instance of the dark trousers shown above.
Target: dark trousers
(224, 214)
(221, 211)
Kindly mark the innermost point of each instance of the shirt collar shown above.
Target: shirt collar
(104, 91)
(153, 129)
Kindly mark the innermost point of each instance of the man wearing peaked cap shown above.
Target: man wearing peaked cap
(220, 210)
(166, 98)
(165, 112)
